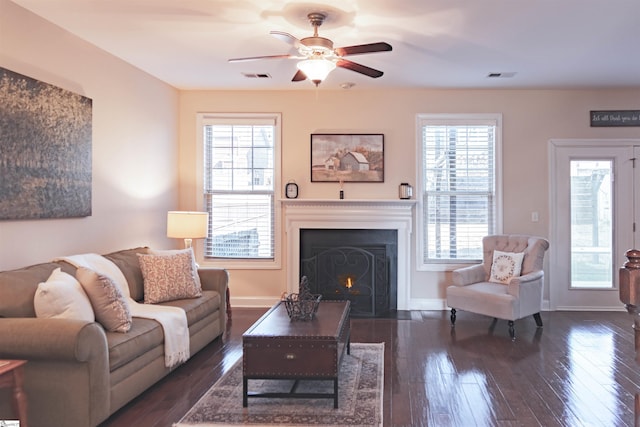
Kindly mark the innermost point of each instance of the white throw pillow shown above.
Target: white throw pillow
(505, 266)
(62, 297)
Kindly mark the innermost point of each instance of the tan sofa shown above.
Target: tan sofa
(77, 373)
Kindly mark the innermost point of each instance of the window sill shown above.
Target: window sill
(235, 264)
(445, 266)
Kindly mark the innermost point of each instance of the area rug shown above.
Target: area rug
(360, 397)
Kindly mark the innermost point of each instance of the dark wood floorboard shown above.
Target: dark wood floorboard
(579, 370)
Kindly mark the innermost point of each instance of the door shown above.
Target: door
(594, 212)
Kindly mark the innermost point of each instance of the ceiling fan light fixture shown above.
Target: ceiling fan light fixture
(316, 69)
(317, 44)
(318, 57)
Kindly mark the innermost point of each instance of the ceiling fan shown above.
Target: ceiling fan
(317, 55)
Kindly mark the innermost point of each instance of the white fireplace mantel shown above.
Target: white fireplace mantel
(397, 215)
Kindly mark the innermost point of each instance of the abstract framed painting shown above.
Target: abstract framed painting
(45, 155)
(347, 157)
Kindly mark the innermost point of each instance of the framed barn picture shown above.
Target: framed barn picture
(347, 157)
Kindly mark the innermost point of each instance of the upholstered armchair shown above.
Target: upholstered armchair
(507, 285)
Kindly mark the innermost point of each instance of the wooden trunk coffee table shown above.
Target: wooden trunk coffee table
(276, 347)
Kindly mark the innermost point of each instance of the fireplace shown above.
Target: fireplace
(369, 215)
(357, 265)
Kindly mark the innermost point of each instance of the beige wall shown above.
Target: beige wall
(134, 141)
(142, 128)
(530, 119)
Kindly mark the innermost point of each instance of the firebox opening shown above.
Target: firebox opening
(352, 264)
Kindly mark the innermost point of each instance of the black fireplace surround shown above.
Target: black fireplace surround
(358, 265)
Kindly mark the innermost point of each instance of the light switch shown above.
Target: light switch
(534, 216)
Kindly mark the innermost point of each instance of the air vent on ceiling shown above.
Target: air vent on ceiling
(256, 75)
(502, 75)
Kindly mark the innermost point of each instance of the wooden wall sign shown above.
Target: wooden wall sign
(615, 118)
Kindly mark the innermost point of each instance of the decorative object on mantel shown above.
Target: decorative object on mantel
(291, 190)
(341, 190)
(45, 135)
(405, 190)
(347, 157)
(304, 304)
(615, 118)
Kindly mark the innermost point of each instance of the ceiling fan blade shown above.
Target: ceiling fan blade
(299, 76)
(363, 48)
(359, 68)
(287, 38)
(254, 58)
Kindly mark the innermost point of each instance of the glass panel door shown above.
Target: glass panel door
(591, 224)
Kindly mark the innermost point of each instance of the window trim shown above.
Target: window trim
(452, 119)
(243, 264)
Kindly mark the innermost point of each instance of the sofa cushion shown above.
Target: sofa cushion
(62, 297)
(197, 308)
(169, 276)
(110, 306)
(127, 262)
(144, 335)
(18, 288)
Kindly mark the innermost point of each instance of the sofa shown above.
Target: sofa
(78, 373)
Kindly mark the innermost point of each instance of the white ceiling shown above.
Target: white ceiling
(436, 43)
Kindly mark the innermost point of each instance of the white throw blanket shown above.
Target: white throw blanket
(172, 319)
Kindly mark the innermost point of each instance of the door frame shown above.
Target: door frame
(555, 272)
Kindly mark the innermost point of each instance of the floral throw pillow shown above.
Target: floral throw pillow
(169, 276)
(505, 266)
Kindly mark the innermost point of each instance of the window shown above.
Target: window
(459, 186)
(241, 166)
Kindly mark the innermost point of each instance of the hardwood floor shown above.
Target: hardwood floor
(579, 370)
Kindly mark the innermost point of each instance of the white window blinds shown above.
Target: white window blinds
(239, 184)
(459, 188)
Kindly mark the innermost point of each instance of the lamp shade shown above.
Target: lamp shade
(316, 69)
(187, 225)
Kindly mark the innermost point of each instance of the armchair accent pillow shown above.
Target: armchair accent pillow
(169, 275)
(505, 266)
(62, 297)
(110, 306)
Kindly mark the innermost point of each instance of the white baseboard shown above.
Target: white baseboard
(253, 302)
(441, 304)
(587, 308)
(424, 304)
(427, 304)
